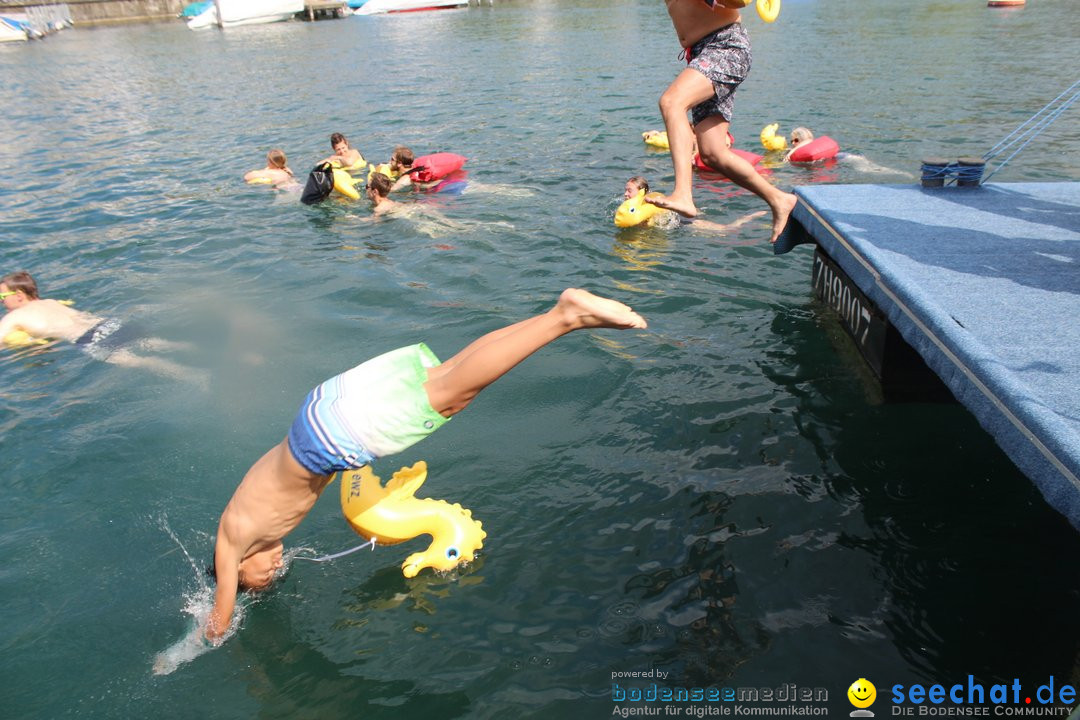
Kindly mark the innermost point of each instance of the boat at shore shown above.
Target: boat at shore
(377, 7)
(12, 30)
(246, 12)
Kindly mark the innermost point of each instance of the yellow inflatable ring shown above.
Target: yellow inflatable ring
(260, 181)
(768, 10)
(392, 514)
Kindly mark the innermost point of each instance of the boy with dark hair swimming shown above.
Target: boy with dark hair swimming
(378, 408)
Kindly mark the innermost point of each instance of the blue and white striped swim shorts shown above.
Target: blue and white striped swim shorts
(378, 408)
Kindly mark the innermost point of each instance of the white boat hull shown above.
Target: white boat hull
(375, 7)
(247, 12)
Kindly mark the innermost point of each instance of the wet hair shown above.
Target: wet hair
(403, 156)
(211, 571)
(380, 183)
(336, 138)
(641, 182)
(276, 158)
(801, 135)
(21, 280)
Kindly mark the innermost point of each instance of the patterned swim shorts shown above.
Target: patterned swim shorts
(378, 408)
(108, 336)
(723, 57)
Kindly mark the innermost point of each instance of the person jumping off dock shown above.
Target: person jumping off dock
(718, 55)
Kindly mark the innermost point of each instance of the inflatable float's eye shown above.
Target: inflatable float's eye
(633, 210)
(451, 553)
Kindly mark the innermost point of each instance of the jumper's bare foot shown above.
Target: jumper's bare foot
(582, 309)
(682, 205)
(781, 213)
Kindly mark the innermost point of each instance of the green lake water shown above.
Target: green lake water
(723, 497)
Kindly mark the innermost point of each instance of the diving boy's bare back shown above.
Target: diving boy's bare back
(693, 19)
(278, 492)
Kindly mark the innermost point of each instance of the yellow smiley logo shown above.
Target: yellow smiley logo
(862, 693)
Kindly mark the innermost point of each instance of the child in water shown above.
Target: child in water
(637, 183)
(718, 54)
(345, 155)
(378, 408)
(276, 172)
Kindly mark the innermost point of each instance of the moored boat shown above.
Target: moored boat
(246, 12)
(376, 7)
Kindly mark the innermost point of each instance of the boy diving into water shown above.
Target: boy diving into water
(378, 408)
(718, 54)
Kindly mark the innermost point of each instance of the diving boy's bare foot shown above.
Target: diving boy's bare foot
(781, 213)
(582, 309)
(682, 205)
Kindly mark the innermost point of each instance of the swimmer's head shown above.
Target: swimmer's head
(402, 157)
(378, 185)
(276, 159)
(22, 287)
(801, 135)
(634, 185)
(258, 570)
(339, 143)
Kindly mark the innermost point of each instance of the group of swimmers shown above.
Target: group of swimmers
(389, 403)
(382, 180)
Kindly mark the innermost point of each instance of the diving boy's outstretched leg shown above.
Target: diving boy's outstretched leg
(453, 384)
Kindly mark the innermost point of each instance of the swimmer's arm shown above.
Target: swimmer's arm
(401, 183)
(8, 324)
(227, 566)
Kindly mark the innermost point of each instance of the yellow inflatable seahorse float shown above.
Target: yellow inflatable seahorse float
(393, 514)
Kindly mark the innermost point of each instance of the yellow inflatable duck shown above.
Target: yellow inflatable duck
(770, 140)
(768, 10)
(635, 211)
(392, 514)
(656, 139)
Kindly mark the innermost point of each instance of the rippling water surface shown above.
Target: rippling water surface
(724, 496)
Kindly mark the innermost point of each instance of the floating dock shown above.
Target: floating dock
(984, 284)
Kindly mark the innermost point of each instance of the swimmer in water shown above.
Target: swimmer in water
(378, 191)
(637, 183)
(276, 172)
(345, 155)
(718, 51)
(802, 135)
(378, 408)
(105, 339)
